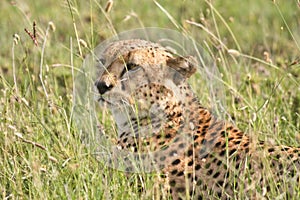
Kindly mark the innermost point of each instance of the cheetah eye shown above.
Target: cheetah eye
(129, 67)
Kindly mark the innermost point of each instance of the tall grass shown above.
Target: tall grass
(42, 156)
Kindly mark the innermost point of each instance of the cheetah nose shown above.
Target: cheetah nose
(103, 87)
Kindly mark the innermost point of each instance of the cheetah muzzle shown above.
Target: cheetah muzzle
(156, 112)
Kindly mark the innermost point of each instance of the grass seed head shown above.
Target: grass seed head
(16, 38)
(108, 6)
(51, 26)
(234, 52)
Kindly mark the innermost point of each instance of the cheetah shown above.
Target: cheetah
(160, 119)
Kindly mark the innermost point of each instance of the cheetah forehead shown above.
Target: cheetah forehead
(136, 51)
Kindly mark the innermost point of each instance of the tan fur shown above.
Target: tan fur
(202, 157)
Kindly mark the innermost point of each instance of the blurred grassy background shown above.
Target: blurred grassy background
(41, 153)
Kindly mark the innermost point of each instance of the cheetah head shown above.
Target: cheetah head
(140, 74)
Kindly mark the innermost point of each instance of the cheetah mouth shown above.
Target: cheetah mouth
(102, 100)
(112, 104)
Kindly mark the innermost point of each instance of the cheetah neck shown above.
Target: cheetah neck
(163, 119)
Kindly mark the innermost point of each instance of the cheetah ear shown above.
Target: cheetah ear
(186, 66)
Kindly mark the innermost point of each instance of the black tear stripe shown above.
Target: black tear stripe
(101, 61)
(123, 88)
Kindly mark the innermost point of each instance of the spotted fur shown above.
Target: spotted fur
(156, 112)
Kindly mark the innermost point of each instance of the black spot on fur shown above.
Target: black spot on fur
(232, 151)
(176, 162)
(197, 167)
(213, 134)
(222, 153)
(218, 144)
(207, 165)
(122, 134)
(219, 162)
(180, 173)
(199, 182)
(182, 145)
(209, 172)
(180, 189)
(162, 158)
(172, 183)
(174, 172)
(190, 152)
(216, 175)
